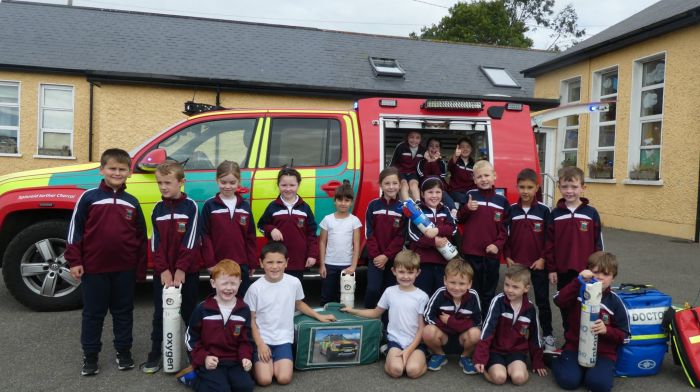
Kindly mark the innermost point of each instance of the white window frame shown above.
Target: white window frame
(596, 124)
(562, 127)
(41, 130)
(19, 115)
(636, 120)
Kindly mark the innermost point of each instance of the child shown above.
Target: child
(384, 232)
(175, 248)
(405, 303)
(339, 244)
(461, 172)
(574, 232)
(433, 165)
(228, 228)
(426, 245)
(290, 220)
(484, 233)
(272, 300)
(406, 157)
(510, 332)
(527, 227)
(453, 311)
(218, 335)
(106, 251)
(612, 328)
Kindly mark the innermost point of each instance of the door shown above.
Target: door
(546, 151)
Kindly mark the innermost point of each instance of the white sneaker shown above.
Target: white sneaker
(550, 345)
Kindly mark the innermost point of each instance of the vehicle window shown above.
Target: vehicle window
(205, 145)
(304, 142)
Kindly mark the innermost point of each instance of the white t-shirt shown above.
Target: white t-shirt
(404, 309)
(339, 245)
(273, 304)
(231, 204)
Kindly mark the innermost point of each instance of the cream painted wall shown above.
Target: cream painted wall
(670, 208)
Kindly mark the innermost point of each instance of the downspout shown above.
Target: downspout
(90, 121)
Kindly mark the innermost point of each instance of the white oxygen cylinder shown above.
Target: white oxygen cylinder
(347, 289)
(172, 334)
(448, 251)
(590, 308)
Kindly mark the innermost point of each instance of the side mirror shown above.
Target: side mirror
(152, 160)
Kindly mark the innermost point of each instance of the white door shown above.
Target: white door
(546, 150)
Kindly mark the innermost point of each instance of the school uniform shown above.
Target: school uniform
(461, 179)
(481, 228)
(436, 168)
(464, 316)
(406, 161)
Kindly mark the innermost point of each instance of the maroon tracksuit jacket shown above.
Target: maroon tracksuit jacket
(424, 246)
(228, 237)
(526, 233)
(461, 175)
(572, 237)
(384, 228)
(404, 160)
(485, 225)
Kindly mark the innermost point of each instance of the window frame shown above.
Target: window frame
(18, 105)
(40, 114)
(637, 120)
(596, 125)
(486, 71)
(380, 69)
(341, 139)
(562, 126)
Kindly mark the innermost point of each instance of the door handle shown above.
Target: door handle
(330, 187)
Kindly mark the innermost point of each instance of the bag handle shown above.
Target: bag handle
(634, 288)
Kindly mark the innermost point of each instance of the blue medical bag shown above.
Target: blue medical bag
(644, 354)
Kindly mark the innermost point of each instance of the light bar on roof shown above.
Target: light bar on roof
(452, 104)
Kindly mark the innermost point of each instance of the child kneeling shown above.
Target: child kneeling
(510, 331)
(453, 311)
(218, 336)
(405, 303)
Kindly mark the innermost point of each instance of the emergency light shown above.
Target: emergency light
(447, 104)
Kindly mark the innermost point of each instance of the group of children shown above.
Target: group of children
(448, 299)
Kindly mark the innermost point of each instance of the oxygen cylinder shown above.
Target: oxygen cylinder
(172, 334)
(347, 289)
(591, 296)
(416, 215)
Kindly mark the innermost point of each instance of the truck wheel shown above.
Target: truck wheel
(35, 271)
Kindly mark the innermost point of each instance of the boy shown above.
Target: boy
(510, 332)
(106, 251)
(406, 304)
(574, 232)
(482, 219)
(406, 157)
(175, 248)
(612, 328)
(527, 227)
(272, 300)
(453, 311)
(218, 335)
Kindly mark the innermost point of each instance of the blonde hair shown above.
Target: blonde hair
(407, 259)
(519, 273)
(226, 267)
(171, 167)
(482, 164)
(458, 266)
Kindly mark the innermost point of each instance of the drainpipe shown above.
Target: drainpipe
(90, 123)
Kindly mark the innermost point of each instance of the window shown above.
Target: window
(569, 126)
(602, 140)
(56, 121)
(499, 77)
(205, 145)
(646, 130)
(302, 142)
(386, 67)
(9, 118)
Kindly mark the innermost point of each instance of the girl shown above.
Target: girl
(228, 229)
(460, 168)
(384, 232)
(290, 220)
(339, 242)
(433, 165)
(432, 263)
(405, 158)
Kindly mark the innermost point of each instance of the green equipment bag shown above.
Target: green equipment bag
(349, 341)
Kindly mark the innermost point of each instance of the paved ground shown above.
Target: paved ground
(41, 351)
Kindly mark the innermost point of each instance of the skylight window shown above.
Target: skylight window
(499, 77)
(386, 67)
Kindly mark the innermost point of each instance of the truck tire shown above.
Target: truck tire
(35, 271)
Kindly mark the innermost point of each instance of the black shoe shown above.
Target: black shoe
(90, 367)
(124, 360)
(152, 364)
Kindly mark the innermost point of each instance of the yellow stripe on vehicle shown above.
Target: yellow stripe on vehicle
(351, 142)
(253, 161)
(224, 112)
(358, 147)
(262, 160)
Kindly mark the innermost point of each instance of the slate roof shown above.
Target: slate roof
(657, 19)
(136, 46)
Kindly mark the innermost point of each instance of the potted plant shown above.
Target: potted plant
(600, 169)
(644, 172)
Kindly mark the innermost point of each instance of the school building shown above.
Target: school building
(77, 80)
(641, 158)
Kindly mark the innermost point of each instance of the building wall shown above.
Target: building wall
(124, 115)
(669, 208)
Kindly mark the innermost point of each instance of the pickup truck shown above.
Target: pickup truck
(326, 146)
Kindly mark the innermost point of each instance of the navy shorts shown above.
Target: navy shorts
(504, 359)
(279, 351)
(392, 344)
(409, 176)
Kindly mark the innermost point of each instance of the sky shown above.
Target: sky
(385, 17)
